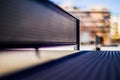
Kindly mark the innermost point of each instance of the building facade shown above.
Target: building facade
(94, 24)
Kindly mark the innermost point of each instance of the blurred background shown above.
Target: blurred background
(99, 22)
(99, 27)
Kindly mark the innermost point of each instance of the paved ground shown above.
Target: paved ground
(14, 60)
(104, 48)
(83, 47)
(11, 61)
(85, 65)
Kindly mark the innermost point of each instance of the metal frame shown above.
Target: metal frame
(24, 44)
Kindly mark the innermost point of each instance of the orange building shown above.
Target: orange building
(93, 22)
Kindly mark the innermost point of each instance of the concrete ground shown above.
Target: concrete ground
(104, 48)
(15, 60)
(84, 47)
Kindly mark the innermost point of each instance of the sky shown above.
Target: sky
(112, 5)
